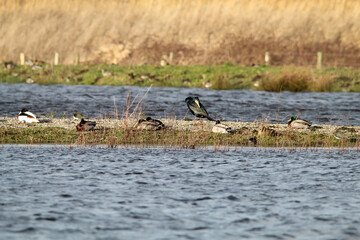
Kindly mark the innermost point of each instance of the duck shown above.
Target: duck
(294, 122)
(196, 108)
(150, 124)
(85, 125)
(221, 128)
(26, 116)
(77, 115)
(268, 131)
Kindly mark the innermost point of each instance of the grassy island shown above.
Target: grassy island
(178, 134)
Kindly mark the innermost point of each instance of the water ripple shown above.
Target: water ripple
(245, 105)
(124, 193)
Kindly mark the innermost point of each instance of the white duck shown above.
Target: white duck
(221, 128)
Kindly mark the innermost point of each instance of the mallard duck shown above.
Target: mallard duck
(150, 124)
(27, 117)
(221, 128)
(197, 108)
(268, 131)
(85, 125)
(294, 122)
(77, 115)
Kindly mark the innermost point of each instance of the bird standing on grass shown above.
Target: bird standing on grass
(294, 122)
(150, 124)
(197, 108)
(85, 125)
(27, 117)
(77, 115)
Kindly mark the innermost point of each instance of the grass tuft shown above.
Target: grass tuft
(294, 81)
(220, 82)
(298, 80)
(323, 83)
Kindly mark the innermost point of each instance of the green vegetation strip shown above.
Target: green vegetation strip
(222, 77)
(178, 139)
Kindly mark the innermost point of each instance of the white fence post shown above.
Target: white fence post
(267, 58)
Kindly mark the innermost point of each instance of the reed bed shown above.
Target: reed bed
(298, 80)
(181, 32)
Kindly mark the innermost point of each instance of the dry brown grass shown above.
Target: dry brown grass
(323, 83)
(296, 81)
(196, 31)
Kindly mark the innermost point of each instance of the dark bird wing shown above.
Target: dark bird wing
(196, 110)
(204, 110)
(210, 118)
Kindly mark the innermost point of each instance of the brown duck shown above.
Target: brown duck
(150, 124)
(85, 125)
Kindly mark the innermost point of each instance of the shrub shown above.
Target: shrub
(294, 81)
(323, 83)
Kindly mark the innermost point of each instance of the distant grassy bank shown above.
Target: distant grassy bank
(226, 76)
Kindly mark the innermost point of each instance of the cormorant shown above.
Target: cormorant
(197, 108)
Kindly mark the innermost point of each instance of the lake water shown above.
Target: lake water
(245, 105)
(53, 192)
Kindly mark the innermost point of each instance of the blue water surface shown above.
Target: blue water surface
(59, 192)
(232, 105)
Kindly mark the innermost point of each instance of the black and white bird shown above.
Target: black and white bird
(221, 128)
(26, 116)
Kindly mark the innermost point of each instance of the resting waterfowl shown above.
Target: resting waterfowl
(27, 116)
(85, 125)
(196, 108)
(150, 124)
(77, 115)
(221, 128)
(294, 122)
(268, 131)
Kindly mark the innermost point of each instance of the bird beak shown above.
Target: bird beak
(197, 102)
(289, 120)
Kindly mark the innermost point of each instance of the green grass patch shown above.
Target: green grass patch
(172, 138)
(221, 77)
